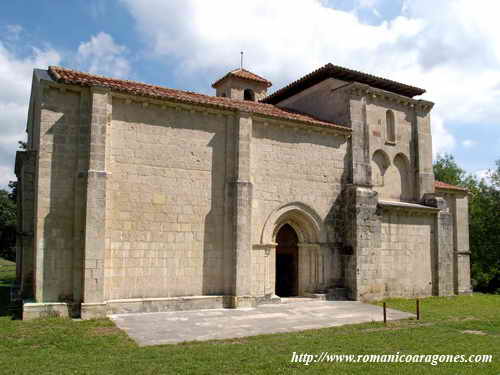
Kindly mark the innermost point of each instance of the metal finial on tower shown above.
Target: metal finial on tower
(241, 60)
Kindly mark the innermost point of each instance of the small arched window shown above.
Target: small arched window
(380, 164)
(249, 95)
(390, 127)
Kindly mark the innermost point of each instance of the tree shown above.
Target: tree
(484, 220)
(8, 214)
(13, 184)
(484, 209)
(7, 226)
(447, 170)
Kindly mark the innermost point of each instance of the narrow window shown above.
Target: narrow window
(390, 130)
(248, 95)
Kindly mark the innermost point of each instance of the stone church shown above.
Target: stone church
(140, 198)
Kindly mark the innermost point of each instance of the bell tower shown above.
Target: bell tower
(241, 84)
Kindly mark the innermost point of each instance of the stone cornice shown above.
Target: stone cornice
(410, 208)
(361, 89)
(296, 125)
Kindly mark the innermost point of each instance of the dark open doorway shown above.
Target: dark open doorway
(287, 262)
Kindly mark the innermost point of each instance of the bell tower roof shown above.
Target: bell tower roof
(243, 74)
(240, 84)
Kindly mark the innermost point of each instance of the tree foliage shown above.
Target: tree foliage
(8, 212)
(447, 170)
(7, 225)
(484, 220)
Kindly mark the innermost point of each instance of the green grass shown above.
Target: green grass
(7, 271)
(7, 277)
(61, 346)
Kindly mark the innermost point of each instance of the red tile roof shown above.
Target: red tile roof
(244, 74)
(445, 186)
(345, 74)
(73, 77)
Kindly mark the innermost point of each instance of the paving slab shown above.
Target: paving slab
(179, 326)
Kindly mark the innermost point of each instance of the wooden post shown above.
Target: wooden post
(385, 314)
(418, 309)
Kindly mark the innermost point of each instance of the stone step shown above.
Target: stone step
(337, 294)
(297, 299)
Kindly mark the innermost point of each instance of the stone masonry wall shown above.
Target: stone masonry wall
(402, 266)
(25, 172)
(394, 185)
(318, 101)
(293, 165)
(166, 206)
(58, 130)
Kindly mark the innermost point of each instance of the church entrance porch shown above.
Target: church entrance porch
(287, 262)
(293, 258)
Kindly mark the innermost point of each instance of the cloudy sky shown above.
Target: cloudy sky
(451, 48)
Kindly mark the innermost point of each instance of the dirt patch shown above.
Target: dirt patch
(472, 332)
(462, 318)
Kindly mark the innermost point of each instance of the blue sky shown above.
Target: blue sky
(451, 48)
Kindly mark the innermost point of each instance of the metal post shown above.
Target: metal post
(385, 314)
(418, 309)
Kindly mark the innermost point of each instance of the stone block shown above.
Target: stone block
(46, 310)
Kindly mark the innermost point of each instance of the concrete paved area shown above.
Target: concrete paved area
(178, 326)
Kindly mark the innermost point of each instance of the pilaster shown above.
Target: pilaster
(443, 255)
(95, 220)
(362, 233)
(360, 148)
(81, 169)
(243, 213)
(25, 261)
(423, 149)
(461, 244)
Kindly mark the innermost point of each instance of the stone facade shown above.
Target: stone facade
(132, 203)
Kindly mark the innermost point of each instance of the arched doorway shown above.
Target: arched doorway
(287, 262)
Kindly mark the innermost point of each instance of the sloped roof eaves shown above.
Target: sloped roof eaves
(444, 186)
(141, 89)
(243, 74)
(338, 72)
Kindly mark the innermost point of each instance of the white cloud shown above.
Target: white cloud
(282, 39)
(15, 74)
(99, 55)
(469, 143)
(484, 174)
(450, 48)
(102, 55)
(442, 140)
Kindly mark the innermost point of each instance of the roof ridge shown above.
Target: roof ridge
(331, 70)
(123, 80)
(74, 77)
(251, 77)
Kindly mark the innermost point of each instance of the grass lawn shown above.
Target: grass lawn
(7, 277)
(61, 346)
